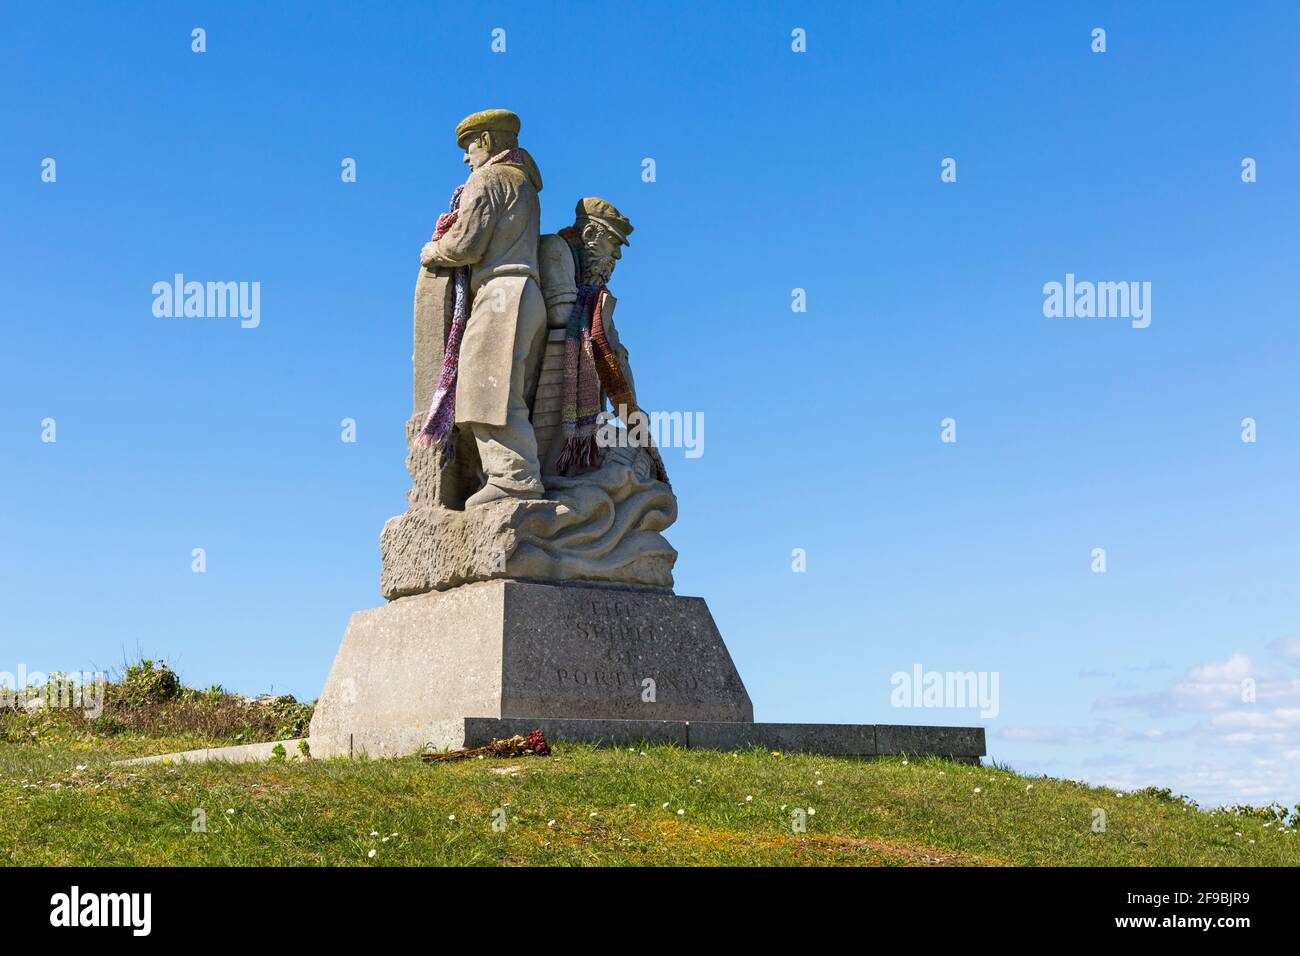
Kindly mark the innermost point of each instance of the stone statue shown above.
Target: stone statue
(581, 258)
(531, 485)
(529, 584)
(492, 234)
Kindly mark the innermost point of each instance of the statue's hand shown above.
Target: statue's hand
(427, 256)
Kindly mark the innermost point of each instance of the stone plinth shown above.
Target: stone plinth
(407, 674)
(602, 527)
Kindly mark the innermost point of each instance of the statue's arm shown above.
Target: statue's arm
(627, 368)
(611, 334)
(467, 240)
(559, 286)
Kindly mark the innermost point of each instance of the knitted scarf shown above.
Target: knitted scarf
(589, 365)
(440, 426)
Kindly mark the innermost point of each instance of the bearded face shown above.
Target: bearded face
(601, 251)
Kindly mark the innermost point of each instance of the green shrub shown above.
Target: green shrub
(106, 726)
(149, 700)
(146, 683)
(1274, 812)
(292, 718)
(42, 724)
(1165, 795)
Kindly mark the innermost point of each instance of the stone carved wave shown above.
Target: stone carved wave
(601, 527)
(607, 526)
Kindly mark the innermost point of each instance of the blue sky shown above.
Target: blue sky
(775, 170)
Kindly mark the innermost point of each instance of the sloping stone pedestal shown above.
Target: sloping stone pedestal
(408, 674)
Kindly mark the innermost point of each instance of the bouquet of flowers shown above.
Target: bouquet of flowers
(517, 746)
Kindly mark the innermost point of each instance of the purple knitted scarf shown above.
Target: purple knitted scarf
(440, 426)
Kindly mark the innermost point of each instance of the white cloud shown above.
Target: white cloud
(1088, 673)
(1242, 721)
(1041, 735)
(1214, 686)
(1288, 647)
(1096, 732)
(1210, 783)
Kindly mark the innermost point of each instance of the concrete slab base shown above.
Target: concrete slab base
(243, 753)
(965, 744)
(831, 740)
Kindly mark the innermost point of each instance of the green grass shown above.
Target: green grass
(607, 808)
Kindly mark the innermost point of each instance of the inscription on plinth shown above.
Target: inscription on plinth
(584, 652)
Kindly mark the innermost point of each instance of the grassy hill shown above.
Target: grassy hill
(62, 803)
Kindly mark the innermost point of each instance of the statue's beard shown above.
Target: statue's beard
(598, 269)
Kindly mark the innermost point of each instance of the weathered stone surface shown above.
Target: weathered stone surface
(479, 731)
(840, 739)
(833, 740)
(517, 649)
(405, 666)
(902, 739)
(603, 527)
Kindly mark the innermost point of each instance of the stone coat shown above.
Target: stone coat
(496, 235)
(560, 290)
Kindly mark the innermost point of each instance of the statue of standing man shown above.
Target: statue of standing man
(490, 237)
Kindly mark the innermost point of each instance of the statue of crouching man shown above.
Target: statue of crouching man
(585, 364)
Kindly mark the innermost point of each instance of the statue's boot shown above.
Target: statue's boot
(490, 493)
(509, 459)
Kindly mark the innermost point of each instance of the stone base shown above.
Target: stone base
(604, 528)
(831, 740)
(407, 674)
(962, 744)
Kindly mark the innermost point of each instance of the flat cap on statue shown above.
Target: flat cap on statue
(487, 121)
(593, 207)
